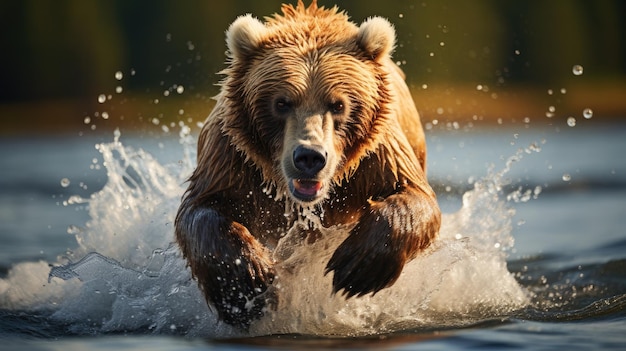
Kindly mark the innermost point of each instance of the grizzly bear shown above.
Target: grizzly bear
(313, 119)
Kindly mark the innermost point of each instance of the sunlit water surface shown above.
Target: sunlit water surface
(532, 252)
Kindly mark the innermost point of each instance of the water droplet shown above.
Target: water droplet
(65, 182)
(119, 89)
(566, 177)
(401, 15)
(550, 112)
(571, 121)
(577, 70)
(72, 229)
(119, 75)
(587, 113)
(105, 115)
(75, 199)
(563, 91)
(180, 89)
(87, 120)
(533, 147)
(184, 131)
(102, 98)
(156, 121)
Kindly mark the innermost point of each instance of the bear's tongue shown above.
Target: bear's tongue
(307, 187)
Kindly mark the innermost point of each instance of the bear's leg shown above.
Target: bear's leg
(233, 269)
(390, 233)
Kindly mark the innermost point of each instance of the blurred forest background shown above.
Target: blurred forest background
(68, 63)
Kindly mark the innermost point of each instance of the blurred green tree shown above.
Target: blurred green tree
(72, 48)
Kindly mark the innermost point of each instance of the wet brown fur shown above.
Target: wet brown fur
(237, 204)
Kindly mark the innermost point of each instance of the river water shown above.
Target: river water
(532, 253)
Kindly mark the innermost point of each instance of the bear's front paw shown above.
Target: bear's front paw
(244, 291)
(369, 260)
(235, 274)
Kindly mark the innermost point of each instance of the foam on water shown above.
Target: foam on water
(126, 275)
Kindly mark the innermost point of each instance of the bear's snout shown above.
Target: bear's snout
(309, 160)
(307, 172)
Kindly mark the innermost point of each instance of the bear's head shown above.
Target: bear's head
(305, 94)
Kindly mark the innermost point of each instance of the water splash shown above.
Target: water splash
(462, 279)
(126, 275)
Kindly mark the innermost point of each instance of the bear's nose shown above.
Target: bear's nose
(309, 160)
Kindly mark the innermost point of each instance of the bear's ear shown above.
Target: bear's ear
(376, 37)
(244, 36)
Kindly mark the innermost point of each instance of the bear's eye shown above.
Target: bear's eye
(336, 107)
(282, 105)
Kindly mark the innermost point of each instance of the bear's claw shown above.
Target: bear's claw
(362, 264)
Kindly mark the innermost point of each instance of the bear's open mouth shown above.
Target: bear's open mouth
(305, 189)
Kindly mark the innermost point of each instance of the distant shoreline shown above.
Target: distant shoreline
(438, 105)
